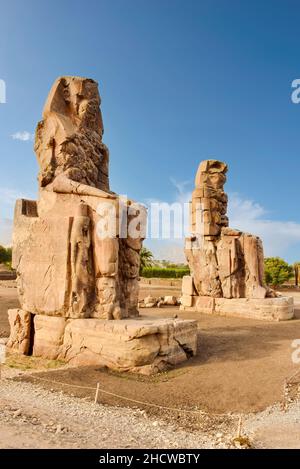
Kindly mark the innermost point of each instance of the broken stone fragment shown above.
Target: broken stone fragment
(20, 330)
(150, 302)
(170, 300)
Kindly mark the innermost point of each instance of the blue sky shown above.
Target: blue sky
(180, 81)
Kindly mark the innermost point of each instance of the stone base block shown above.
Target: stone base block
(144, 345)
(187, 285)
(205, 304)
(271, 309)
(186, 300)
(48, 336)
(20, 329)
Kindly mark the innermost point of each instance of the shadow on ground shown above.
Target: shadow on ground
(241, 366)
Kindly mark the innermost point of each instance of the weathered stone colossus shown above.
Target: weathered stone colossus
(225, 263)
(72, 274)
(64, 266)
(68, 140)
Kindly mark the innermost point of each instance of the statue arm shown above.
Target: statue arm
(64, 185)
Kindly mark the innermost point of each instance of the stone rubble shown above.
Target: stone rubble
(152, 302)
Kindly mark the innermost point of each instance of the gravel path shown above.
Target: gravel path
(275, 428)
(32, 417)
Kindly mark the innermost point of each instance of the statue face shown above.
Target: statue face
(69, 138)
(66, 94)
(211, 173)
(79, 99)
(216, 180)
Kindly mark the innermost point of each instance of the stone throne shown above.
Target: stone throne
(78, 282)
(227, 265)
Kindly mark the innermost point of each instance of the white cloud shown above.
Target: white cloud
(277, 236)
(24, 136)
(183, 195)
(280, 238)
(244, 208)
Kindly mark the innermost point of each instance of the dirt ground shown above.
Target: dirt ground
(33, 417)
(240, 367)
(240, 370)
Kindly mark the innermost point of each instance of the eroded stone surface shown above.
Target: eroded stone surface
(188, 285)
(48, 336)
(20, 330)
(76, 251)
(66, 265)
(68, 140)
(225, 263)
(144, 345)
(270, 309)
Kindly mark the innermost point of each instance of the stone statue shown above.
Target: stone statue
(81, 261)
(225, 263)
(78, 284)
(68, 142)
(79, 275)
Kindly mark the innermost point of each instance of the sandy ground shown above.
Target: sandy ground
(241, 368)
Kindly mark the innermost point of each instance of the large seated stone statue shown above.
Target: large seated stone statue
(64, 268)
(78, 280)
(227, 265)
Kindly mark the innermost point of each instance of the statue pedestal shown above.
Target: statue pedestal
(79, 292)
(65, 268)
(270, 309)
(142, 345)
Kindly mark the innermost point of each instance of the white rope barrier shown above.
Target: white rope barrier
(98, 390)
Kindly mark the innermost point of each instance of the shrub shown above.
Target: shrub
(5, 255)
(159, 272)
(277, 271)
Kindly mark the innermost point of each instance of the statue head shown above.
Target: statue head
(78, 99)
(211, 173)
(68, 141)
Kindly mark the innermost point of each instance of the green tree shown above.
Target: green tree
(146, 257)
(5, 255)
(277, 271)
